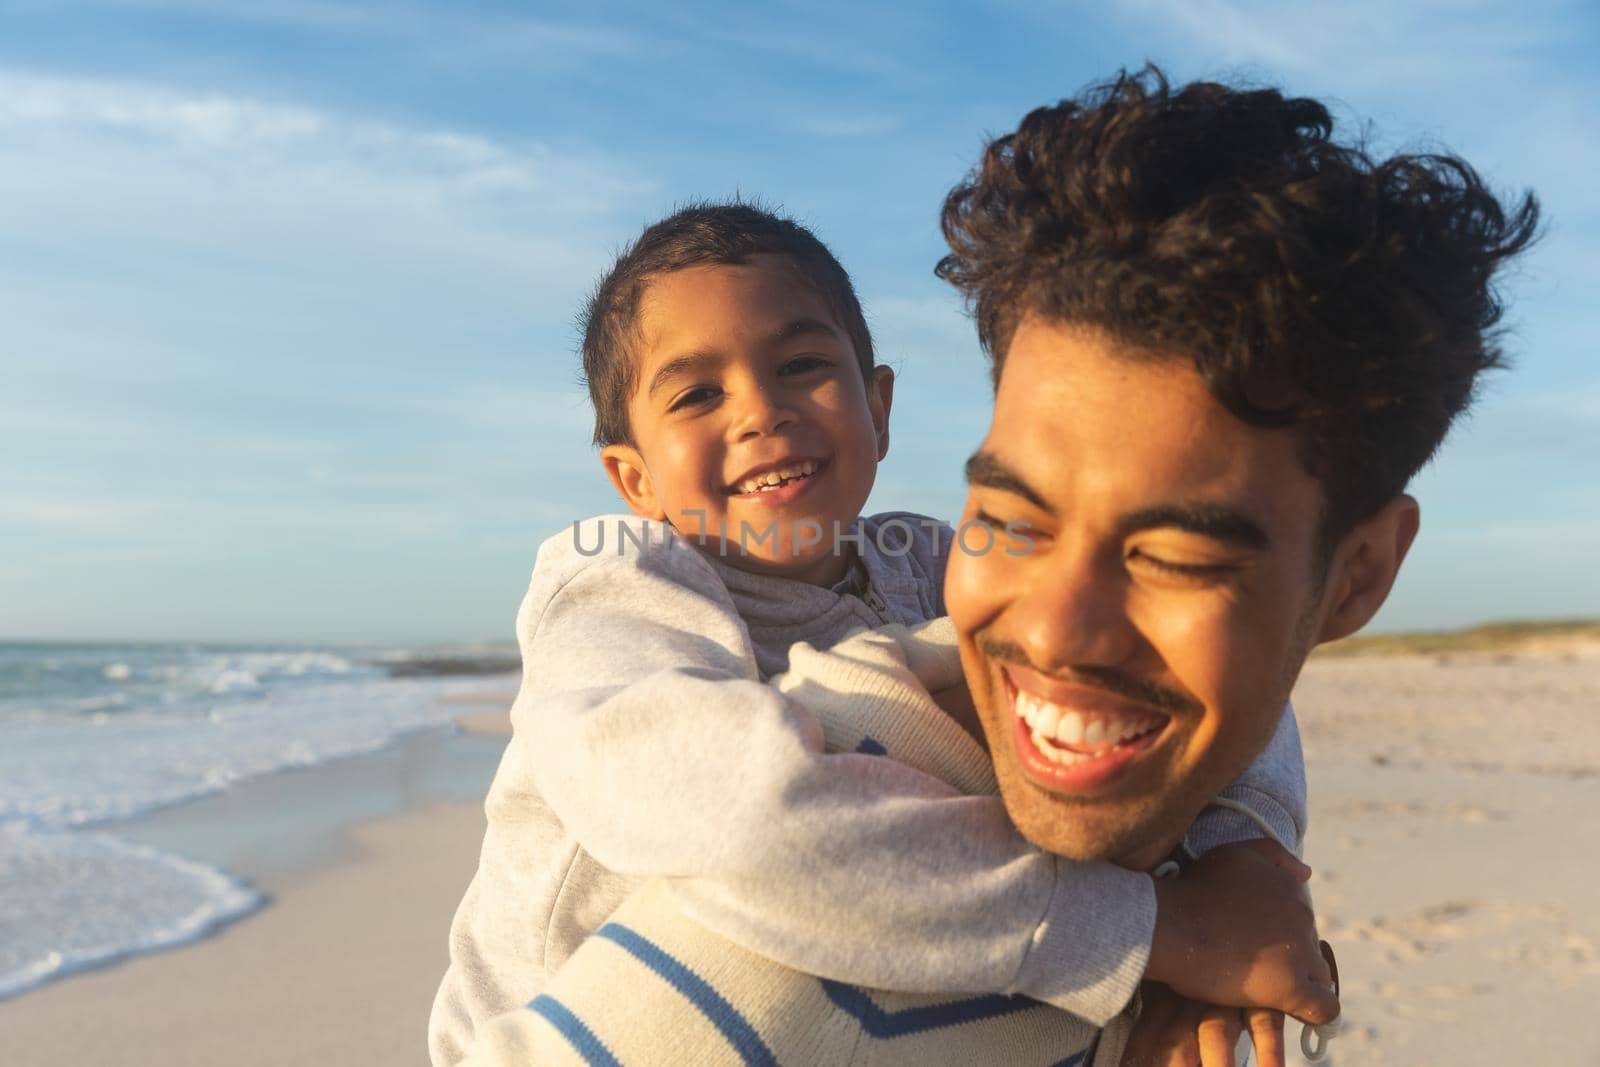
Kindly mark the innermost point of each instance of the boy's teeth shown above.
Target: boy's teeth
(1053, 726)
(773, 479)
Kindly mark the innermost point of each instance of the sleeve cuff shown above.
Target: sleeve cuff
(1219, 826)
(1090, 951)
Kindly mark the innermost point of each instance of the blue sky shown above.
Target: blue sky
(287, 287)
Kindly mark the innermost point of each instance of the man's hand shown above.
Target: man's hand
(1236, 929)
(1174, 1031)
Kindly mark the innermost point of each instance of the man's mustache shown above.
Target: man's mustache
(1112, 680)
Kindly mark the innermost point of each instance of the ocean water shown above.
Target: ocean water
(91, 735)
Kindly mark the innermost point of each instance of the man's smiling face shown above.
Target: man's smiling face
(1138, 657)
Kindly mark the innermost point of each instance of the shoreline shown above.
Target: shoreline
(360, 863)
(275, 826)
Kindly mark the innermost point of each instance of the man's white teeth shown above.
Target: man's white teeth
(1046, 719)
(1058, 755)
(1053, 726)
(1069, 732)
(762, 483)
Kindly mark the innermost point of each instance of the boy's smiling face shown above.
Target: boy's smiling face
(744, 378)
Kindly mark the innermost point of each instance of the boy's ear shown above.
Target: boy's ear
(626, 469)
(1364, 567)
(880, 397)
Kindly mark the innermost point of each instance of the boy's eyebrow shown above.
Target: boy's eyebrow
(803, 327)
(988, 470)
(677, 366)
(690, 361)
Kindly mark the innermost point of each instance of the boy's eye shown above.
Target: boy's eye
(801, 364)
(690, 397)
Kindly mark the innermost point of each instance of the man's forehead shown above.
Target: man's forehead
(1081, 419)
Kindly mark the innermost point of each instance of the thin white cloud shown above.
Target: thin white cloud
(439, 30)
(1561, 535)
(1371, 43)
(76, 512)
(1228, 30)
(558, 412)
(862, 124)
(232, 134)
(210, 231)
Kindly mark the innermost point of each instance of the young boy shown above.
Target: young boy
(738, 403)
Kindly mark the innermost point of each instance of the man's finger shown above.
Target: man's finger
(1164, 1033)
(1218, 1032)
(1317, 1003)
(1318, 1000)
(1266, 1033)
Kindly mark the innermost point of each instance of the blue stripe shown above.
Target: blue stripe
(573, 1029)
(724, 1016)
(872, 747)
(1074, 1059)
(887, 1024)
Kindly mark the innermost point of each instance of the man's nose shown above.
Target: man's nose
(1075, 614)
(760, 410)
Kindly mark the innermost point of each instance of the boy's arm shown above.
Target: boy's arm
(658, 748)
(1273, 787)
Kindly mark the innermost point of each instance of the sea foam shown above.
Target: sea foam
(69, 901)
(94, 735)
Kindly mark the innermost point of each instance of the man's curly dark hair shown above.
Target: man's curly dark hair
(1310, 285)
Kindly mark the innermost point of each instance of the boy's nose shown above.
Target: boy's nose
(761, 413)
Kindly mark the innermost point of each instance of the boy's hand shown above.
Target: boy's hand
(1236, 929)
(1174, 1031)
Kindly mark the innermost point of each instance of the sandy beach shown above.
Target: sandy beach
(1455, 803)
(1455, 808)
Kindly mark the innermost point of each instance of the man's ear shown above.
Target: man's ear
(626, 469)
(1365, 564)
(880, 398)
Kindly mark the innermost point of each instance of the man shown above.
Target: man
(1222, 345)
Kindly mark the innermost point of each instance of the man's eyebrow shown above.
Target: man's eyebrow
(1213, 521)
(987, 469)
(678, 366)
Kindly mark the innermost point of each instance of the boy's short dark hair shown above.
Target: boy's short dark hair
(702, 234)
(1311, 286)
